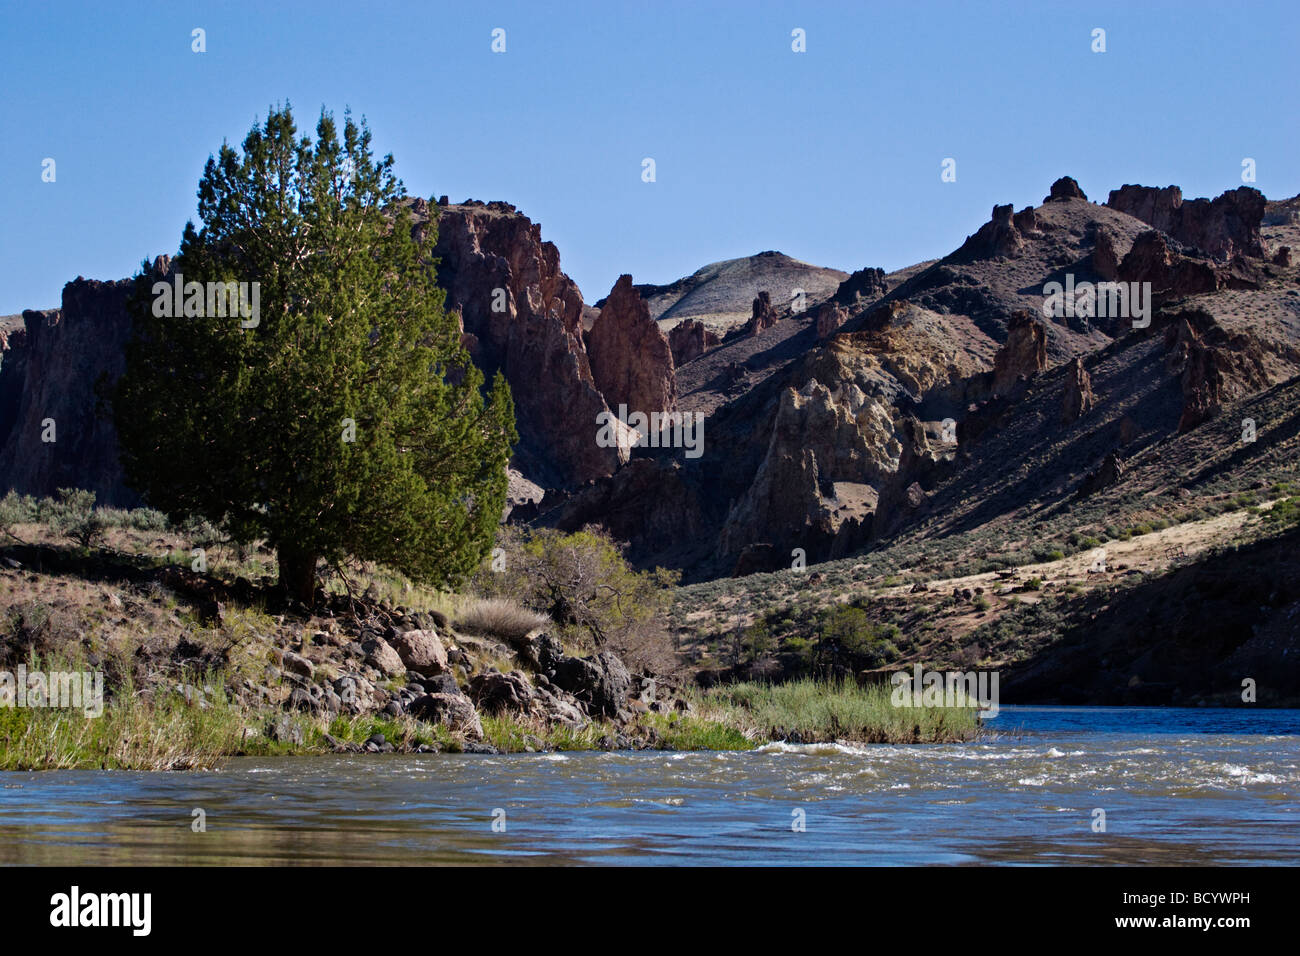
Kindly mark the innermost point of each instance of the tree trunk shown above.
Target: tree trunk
(297, 573)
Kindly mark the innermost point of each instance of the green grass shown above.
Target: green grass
(831, 710)
(133, 733)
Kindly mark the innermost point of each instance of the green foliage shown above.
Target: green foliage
(583, 583)
(1283, 514)
(246, 428)
(847, 629)
(75, 516)
(756, 642)
(16, 509)
(833, 710)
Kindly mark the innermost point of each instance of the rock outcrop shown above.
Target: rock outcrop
(1109, 472)
(816, 486)
(1170, 273)
(1024, 353)
(1003, 235)
(828, 318)
(690, 339)
(1217, 366)
(1079, 399)
(1222, 227)
(49, 383)
(763, 316)
(1065, 188)
(1105, 258)
(526, 319)
(865, 284)
(631, 360)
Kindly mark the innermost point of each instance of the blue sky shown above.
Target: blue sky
(832, 156)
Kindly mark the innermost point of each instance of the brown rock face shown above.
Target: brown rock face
(526, 319)
(631, 360)
(763, 317)
(1079, 398)
(863, 284)
(1003, 235)
(1218, 367)
(1170, 274)
(816, 487)
(1222, 227)
(1023, 354)
(50, 372)
(1065, 188)
(829, 318)
(1105, 259)
(690, 339)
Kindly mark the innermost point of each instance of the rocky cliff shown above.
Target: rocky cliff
(1222, 227)
(631, 361)
(55, 431)
(525, 316)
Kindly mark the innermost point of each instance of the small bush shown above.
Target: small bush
(583, 583)
(76, 517)
(499, 617)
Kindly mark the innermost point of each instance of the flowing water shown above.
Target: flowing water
(1200, 786)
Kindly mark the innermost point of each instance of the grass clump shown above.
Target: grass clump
(499, 617)
(828, 710)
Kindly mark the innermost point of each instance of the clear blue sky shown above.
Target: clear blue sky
(832, 156)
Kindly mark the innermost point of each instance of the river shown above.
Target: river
(1180, 787)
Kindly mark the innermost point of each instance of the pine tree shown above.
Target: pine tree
(343, 417)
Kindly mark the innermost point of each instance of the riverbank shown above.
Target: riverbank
(200, 657)
(199, 726)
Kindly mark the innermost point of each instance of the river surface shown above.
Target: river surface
(1197, 786)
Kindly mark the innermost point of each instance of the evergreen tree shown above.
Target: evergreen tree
(341, 416)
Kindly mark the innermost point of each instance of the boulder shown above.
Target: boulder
(381, 656)
(356, 694)
(421, 651)
(496, 693)
(440, 684)
(453, 710)
(601, 682)
(297, 664)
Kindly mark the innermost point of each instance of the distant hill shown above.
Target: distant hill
(721, 294)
